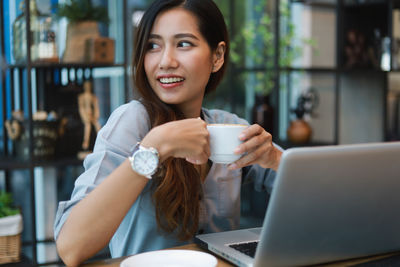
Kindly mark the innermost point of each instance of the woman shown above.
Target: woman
(181, 52)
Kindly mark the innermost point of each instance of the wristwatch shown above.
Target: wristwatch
(144, 161)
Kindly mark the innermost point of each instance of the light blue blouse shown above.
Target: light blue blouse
(220, 207)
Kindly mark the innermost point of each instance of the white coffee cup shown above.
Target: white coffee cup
(224, 138)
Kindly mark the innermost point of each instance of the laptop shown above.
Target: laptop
(329, 203)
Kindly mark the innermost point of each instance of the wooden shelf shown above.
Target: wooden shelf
(63, 65)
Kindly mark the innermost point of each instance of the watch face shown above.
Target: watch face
(145, 162)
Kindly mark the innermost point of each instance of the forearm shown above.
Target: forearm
(94, 220)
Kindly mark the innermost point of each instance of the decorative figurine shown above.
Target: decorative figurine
(14, 126)
(89, 112)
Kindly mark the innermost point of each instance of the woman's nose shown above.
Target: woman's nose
(168, 59)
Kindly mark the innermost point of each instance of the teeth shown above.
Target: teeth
(171, 80)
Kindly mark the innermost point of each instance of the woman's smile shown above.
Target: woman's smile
(170, 81)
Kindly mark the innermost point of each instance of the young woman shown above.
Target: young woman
(174, 192)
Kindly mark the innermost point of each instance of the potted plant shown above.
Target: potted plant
(83, 18)
(299, 131)
(10, 230)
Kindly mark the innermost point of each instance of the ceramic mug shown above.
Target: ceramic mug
(224, 138)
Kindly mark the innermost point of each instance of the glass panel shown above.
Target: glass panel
(315, 35)
(47, 252)
(393, 107)
(361, 107)
(396, 38)
(14, 31)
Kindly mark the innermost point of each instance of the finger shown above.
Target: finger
(193, 161)
(250, 131)
(198, 160)
(248, 159)
(253, 143)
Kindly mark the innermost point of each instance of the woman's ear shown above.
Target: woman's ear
(218, 57)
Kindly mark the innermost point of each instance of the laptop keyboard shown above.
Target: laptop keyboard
(247, 248)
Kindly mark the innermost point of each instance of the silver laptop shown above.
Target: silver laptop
(328, 203)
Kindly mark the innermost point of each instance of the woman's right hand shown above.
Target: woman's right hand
(188, 139)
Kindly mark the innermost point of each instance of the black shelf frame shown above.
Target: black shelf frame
(64, 65)
(12, 163)
(9, 162)
(339, 71)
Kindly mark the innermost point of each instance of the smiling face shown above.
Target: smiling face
(178, 62)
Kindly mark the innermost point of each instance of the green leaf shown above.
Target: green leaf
(254, 44)
(82, 10)
(6, 208)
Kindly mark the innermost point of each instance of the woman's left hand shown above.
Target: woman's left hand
(259, 149)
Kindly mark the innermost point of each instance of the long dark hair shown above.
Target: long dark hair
(178, 189)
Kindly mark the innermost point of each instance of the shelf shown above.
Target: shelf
(310, 69)
(64, 65)
(363, 3)
(288, 69)
(25, 262)
(317, 69)
(317, 3)
(8, 163)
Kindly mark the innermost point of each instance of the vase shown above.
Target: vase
(263, 113)
(77, 34)
(299, 132)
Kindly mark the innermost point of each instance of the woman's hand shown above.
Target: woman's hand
(257, 143)
(188, 139)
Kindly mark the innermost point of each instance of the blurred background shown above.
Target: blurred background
(323, 72)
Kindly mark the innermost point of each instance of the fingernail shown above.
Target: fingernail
(232, 166)
(241, 136)
(237, 150)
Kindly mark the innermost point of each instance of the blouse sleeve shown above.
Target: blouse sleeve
(127, 125)
(263, 178)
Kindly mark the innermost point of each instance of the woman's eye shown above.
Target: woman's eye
(185, 44)
(152, 46)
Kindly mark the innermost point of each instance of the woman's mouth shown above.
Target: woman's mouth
(171, 80)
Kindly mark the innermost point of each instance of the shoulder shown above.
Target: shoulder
(133, 107)
(222, 116)
(129, 112)
(129, 117)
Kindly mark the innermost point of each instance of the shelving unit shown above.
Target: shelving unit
(353, 99)
(32, 86)
(358, 94)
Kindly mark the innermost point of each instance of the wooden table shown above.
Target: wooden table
(116, 262)
(222, 263)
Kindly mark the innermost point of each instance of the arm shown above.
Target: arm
(82, 109)
(94, 220)
(96, 108)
